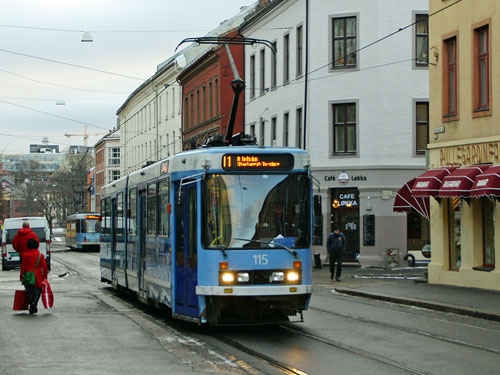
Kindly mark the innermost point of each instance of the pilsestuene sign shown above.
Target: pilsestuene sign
(479, 153)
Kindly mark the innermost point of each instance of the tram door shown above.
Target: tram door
(141, 261)
(113, 222)
(186, 279)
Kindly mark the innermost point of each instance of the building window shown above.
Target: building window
(454, 233)
(273, 66)
(299, 51)
(216, 95)
(344, 42)
(298, 137)
(262, 71)
(252, 76)
(210, 100)
(488, 233)
(273, 130)
(422, 127)
(481, 75)
(421, 40)
(204, 102)
(114, 156)
(344, 128)
(252, 130)
(285, 129)
(186, 116)
(450, 77)
(286, 58)
(191, 111)
(262, 140)
(114, 175)
(198, 111)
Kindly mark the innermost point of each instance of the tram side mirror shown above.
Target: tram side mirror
(317, 205)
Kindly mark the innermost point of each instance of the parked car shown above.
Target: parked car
(39, 225)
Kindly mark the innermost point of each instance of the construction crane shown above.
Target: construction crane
(85, 135)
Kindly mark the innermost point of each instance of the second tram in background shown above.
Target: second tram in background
(83, 231)
(219, 235)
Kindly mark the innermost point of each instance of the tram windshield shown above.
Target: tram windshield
(89, 226)
(256, 211)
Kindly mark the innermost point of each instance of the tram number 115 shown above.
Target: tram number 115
(261, 259)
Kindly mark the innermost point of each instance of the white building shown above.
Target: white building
(150, 118)
(361, 110)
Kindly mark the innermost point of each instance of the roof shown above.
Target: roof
(258, 13)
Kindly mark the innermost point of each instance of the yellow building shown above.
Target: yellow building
(464, 58)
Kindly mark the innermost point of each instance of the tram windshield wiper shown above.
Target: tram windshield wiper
(293, 252)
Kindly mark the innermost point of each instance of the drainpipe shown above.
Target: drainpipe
(306, 76)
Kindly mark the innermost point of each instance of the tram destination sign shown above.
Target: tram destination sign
(257, 162)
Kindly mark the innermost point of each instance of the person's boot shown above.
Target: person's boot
(337, 279)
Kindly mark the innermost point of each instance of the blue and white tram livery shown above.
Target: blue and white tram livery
(82, 231)
(219, 235)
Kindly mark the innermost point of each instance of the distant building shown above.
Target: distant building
(207, 95)
(107, 165)
(44, 149)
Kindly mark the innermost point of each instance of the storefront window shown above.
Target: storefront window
(488, 233)
(455, 233)
(418, 230)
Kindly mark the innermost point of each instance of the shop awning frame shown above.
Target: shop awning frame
(429, 182)
(487, 184)
(458, 183)
(405, 201)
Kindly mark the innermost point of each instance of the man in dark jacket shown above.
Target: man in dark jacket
(21, 239)
(336, 247)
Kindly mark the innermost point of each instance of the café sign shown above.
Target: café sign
(479, 153)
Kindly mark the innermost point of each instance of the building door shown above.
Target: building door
(186, 277)
(345, 214)
(141, 266)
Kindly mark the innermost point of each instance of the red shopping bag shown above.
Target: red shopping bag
(47, 296)
(20, 300)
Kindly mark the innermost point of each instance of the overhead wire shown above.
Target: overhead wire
(60, 85)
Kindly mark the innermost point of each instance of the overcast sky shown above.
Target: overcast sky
(30, 87)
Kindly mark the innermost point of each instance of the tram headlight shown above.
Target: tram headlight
(277, 276)
(243, 277)
(292, 276)
(227, 277)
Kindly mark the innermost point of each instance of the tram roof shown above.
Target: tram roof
(193, 160)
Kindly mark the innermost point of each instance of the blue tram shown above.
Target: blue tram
(219, 235)
(83, 231)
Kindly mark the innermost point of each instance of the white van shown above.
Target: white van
(39, 225)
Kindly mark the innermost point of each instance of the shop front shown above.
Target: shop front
(360, 202)
(464, 191)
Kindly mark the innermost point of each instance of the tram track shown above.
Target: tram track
(407, 329)
(261, 363)
(268, 361)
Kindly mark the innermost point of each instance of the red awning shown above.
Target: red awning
(459, 182)
(405, 201)
(428, 183)
(487, 183)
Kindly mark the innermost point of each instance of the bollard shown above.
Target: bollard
(317, 261)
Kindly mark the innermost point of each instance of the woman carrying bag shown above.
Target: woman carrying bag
(33, 273)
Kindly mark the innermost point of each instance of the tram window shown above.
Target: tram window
(106, 228)
(151, 210)
(119, 214)
(78, 226)
(163, 217)
(132, 230)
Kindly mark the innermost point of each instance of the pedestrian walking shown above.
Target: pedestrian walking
(33, 273)
(21, 239)
(336, 247)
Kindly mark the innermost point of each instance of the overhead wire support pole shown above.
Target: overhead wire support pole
(237, 84)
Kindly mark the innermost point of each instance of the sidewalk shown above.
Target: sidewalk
(407, 286)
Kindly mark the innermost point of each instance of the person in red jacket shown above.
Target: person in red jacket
(21, 239)
(30, 258)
